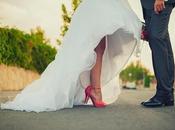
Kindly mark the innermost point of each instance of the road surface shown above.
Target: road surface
(125, 114)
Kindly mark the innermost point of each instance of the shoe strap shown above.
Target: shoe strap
(97, 89)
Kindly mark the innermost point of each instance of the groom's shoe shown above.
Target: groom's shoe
(156, 102)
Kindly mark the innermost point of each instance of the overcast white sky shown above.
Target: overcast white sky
(27, 14)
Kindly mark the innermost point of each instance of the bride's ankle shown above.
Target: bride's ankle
(97, 93)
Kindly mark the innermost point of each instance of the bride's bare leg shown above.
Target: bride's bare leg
(96, 70)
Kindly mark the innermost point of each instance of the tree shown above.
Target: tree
(75, 4)
(66, 18)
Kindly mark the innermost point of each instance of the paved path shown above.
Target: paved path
(125, 114)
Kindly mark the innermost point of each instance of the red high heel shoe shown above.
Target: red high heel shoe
(88, 95)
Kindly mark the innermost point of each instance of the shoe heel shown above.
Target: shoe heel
(86, 98)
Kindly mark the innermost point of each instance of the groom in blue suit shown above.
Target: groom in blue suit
(157, 14)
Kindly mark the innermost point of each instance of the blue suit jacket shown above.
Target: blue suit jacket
(149, 4)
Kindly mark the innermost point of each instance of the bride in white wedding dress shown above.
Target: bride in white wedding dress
(63, 82)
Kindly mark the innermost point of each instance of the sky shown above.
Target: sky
(27, 14)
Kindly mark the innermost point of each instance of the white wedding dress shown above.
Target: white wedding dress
(62, 83)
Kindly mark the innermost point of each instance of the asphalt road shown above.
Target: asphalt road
(125, 114)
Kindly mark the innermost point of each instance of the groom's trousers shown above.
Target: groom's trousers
(162, 53)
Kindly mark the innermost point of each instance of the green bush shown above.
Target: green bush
(42, 55)
(135, 72)
(29, 51)
(147, 81)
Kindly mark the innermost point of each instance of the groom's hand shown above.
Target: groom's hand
(159, 5)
